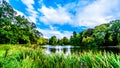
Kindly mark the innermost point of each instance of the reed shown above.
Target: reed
(25, 57)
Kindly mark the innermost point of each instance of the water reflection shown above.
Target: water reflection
(58, 49)
(76, 49)
(48, 50)
(68, 50)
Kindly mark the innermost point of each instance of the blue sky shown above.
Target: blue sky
(62, 17)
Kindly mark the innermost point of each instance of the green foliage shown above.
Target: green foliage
(60, 42)
(89, 41)
(102, 35)
(16, 29)
(42, 41)
(65, 41)
(75, 39)
(53, 40)
(24, 57)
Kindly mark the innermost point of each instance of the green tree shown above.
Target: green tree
(53, 40)
(115, 28)
(42, 41)
(73, 38)
(16, 29)
(60, 42)
(89, 41)
(74, 34)
(65, 41)
(99, 33)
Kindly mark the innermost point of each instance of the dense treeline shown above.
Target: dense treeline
(54, 41)
(103, 35)
(16, 29)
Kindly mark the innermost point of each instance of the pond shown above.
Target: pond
(68, 49)
(58, 49)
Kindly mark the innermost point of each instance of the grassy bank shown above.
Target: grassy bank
(15, 56)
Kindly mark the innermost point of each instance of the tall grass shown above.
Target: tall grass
(25, 57)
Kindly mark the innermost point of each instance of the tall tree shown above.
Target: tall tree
(65, 41)
(53, 40)
(14, 28)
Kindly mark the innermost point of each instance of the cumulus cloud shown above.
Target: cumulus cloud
(48, 33)
(54, 16)
(31, 11)
(98, 12)
(28, 3)
(19, 13)
(33, 15)
(90, 15)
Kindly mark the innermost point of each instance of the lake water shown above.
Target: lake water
(76, 49)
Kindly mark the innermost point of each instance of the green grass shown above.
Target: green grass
(2, 52)
(26, 57)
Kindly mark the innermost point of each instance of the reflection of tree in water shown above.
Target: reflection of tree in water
(48, 50)
(68, 51)
(112, 49)
(71, 50)
(58, 49)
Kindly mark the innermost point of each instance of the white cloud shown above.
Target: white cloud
(40, 1)
(90, 15)
(30, 18)
(19, 13)
(33, 15)
(52, 28)
(31, 11)
(29, 3)
(55, 16)
(27, 17)
(99, 12)
(7, 1)
(48, 33)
